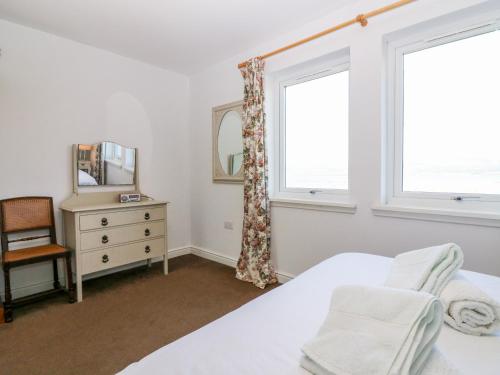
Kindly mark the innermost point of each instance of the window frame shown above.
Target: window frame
(299, 75)
(395, 117)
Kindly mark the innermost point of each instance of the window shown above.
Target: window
(113, 152)
(117, 152)
(129, 158)
(446, 117)
(314, 127)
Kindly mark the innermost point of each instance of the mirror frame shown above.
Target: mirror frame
(99, 188)
(218, 173)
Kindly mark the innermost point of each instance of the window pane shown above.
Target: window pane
(452, 117)
(129, 157)
(108, 151)
(118, 152)
(316, 134)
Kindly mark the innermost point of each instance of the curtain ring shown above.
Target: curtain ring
(361, 18)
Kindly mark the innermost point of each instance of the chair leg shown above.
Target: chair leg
(69, 279)
(57, 284)
(7, 305)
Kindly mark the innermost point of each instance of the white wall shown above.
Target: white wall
(55, 92)
(303, 238)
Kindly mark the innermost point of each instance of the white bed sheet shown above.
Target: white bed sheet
(85, 179)
(265, 335)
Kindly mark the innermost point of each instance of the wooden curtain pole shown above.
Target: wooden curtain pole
(361, 18)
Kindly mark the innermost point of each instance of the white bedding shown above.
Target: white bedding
(84, 179)
(265, 335)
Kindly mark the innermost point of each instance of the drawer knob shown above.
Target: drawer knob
(104, 221)
(147, 216)
(105, 258)
(147, 249)
(105, 239)
(147, 232)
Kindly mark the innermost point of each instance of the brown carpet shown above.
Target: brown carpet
(122, 318)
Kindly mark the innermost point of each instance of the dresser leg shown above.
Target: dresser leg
(79, 295)
(165, 264)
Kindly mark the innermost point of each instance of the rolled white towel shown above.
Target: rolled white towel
(375, 330)
(427, 270)
(468, 309)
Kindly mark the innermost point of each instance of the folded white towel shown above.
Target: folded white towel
(468, 309)
(427, 270)
(375, 330)
(437, 364)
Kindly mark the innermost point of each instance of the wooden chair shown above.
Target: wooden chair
(21, 215)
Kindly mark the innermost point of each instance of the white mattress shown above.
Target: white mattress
(265, 335)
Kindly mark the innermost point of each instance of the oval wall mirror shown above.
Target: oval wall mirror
(228, 143)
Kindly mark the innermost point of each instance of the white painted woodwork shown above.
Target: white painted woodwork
(119, 255)
(114, 236)
(94, 221)
(134, 232)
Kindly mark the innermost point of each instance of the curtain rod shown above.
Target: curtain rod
(361, 18)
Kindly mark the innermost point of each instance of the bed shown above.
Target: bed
(85, 179)
(265, 335)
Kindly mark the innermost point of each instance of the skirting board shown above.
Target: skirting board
(231, 262)
(40, 286)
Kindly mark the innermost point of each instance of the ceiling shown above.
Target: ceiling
(181, 35)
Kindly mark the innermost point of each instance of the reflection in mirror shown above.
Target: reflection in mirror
(230, 142)
(105, 163)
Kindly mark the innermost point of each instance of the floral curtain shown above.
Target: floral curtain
(97, 162)
(254, 264)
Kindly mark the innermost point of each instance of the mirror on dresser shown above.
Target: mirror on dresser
(105, 163)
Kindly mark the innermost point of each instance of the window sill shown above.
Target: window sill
(302, 204)
(486, 219)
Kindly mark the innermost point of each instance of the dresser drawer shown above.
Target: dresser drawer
(119, 235)
(115, 218)
(119, 255)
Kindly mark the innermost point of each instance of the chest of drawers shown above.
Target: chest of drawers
(104, 236)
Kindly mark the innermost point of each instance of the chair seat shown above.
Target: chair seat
(21, 255)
